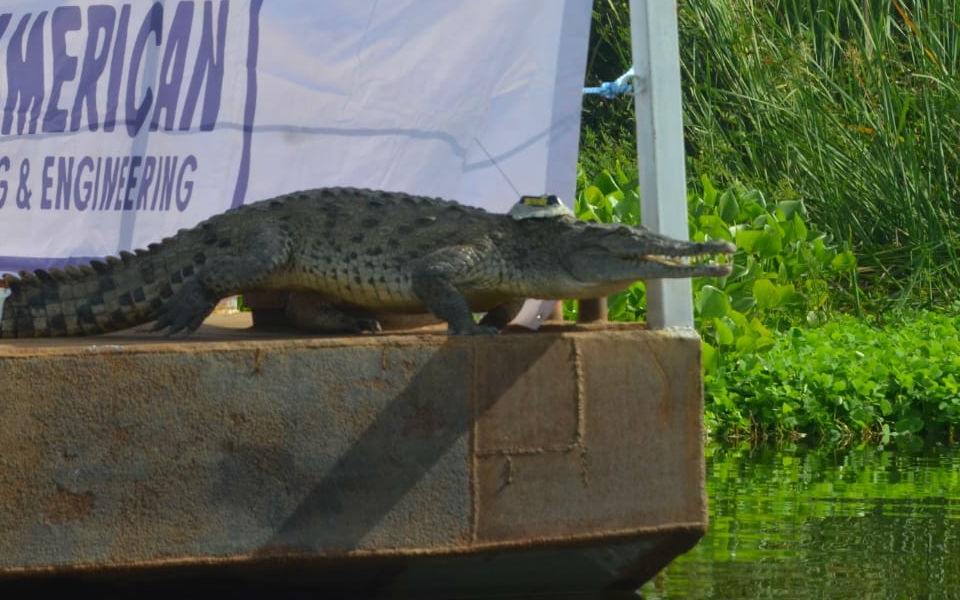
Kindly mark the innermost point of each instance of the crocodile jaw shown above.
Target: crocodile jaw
(618, 256)
(661, 267)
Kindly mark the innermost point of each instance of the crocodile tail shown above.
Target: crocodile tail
(109, 295)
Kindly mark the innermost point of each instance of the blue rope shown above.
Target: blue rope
(612, 89)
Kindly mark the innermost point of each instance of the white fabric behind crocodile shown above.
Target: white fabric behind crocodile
(122, 122)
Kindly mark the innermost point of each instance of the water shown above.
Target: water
(807, 524)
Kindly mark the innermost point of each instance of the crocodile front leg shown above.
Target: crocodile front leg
(432, 279)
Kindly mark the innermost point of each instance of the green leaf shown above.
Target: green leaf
(746, 344)
(766, 293)
(729, 208)
(782, 274)
(743, 303)
(709, 357)
(623, 180)
(787, 295)
(584, 210)
(799, 229)
(605, 182)
(764, 343)
(750, 209)
(747, 239)
(724, 331)
(600, 203)
(709, 192)
(909, 424)
(594, 197)
(617, 306)
(627, 209)
(757, 328)
(769, 244)
(843, 262)
(712, 302)
(755, 198)
(787, 210)
(714, 226)
(885, 407)
(738, 318)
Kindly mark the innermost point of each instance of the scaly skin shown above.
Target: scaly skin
(358, 252)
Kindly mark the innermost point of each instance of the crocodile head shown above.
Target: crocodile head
(596, 259)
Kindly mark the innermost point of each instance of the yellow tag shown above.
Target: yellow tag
(535, 200)
(546, 206)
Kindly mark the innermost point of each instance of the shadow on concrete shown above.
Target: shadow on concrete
(418, 429)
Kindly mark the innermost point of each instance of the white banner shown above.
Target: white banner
(123, 122)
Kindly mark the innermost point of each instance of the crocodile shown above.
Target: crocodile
(352, 254)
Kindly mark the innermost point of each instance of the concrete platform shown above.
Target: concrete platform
(411, 464)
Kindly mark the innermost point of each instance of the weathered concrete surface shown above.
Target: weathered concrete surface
(558, 461)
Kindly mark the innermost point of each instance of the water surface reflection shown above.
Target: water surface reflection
(839, 523)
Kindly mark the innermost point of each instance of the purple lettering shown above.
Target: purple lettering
(64, 178)
(100, 19)
(113, 64)
(121, 182)
(209, 67)
(4, 162)
(24, 76)
(131, 182)
(152, 24)
(110, 178)
(185, 187)
(171, 69)
(116, 70)
(165, 187)
(46, 182)
(81, 200)
(64, 19)
(149, 164)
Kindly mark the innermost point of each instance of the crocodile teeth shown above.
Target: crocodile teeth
(665, 260)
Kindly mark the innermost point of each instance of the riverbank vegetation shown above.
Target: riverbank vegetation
(826, 144)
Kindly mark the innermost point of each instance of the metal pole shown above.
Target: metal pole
(656, 60)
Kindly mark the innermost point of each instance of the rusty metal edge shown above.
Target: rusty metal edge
(107, 345)
(684, 531)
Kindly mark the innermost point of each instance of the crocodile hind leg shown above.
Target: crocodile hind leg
(312, 312)
(222, 275)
